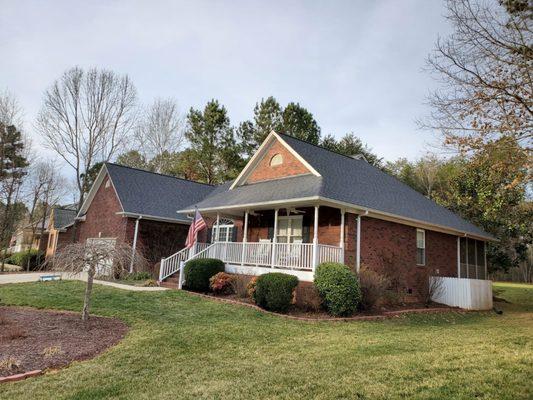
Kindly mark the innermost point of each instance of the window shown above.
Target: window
(225, 233)
(107, 183)
(420, 247)
(277, 159)
(290, 229)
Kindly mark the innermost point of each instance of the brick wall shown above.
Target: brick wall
(157, 239)
(390, 248)
(101, 219)
(290, 166)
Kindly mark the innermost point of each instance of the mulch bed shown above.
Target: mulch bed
(320, 315)
(33, 339)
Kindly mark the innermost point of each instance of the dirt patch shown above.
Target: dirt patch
(35, 339)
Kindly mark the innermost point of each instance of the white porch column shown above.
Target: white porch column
(458, 257)
(466, 252)
(244, 236)
(358, 250)
(341, 239)
(274, 237)
(134, 247)
(217, 236)
(485, 259)
(315, 239)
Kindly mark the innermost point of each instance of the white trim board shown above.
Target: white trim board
(265, 146)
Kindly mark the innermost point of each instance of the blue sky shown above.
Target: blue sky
(356, 65)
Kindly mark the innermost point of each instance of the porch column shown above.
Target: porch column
(315, 240)
(274, 237)
(217, 236)
(244, 236)
(358, 254)
(458, 257)
(341, 239)
(134, 247)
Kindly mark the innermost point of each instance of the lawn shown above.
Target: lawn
(182, 346)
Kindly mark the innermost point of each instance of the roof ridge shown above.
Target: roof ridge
(321, 147)
(158, 173)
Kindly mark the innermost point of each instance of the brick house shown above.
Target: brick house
(295, 205)
(140, 208)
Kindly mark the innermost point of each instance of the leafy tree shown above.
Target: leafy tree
(350, 145)
(132, 159)
(268, 117)
(300, 123)
(13, 165)
(213, 144)
(90, 176)
(490, 191)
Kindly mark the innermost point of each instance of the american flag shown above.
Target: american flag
(196, 226)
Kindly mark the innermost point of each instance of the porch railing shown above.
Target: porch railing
(294, 256)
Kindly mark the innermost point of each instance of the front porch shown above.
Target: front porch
(292, 240)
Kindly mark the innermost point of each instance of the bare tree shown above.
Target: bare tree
(160, 131)
(85, 117)
(46, 187)
(485, 69)
(97, 257)
(10, 110)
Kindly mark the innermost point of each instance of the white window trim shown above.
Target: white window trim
(290, 217)
(223, 224)
(424, 247)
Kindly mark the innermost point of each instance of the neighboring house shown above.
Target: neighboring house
(24, 238)
(140, 208)
(60, 228)
(295, 205)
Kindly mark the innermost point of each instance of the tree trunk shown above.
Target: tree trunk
(88, 291)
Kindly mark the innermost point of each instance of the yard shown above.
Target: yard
(182, 346)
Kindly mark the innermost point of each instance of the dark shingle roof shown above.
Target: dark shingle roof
(348, 180)
(156, 195)
(63, 217)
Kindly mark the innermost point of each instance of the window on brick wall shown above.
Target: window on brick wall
(277, 159)
(420, 247)
(225, 232)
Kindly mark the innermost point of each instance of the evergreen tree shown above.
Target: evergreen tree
(134, 159)
(213, 144)
(300, 123)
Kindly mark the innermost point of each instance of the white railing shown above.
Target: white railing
(471, 294)
(294, 256)
(171, 264)
(328, 253)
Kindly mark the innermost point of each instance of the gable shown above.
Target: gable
(276, 162)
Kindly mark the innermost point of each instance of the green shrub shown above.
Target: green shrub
(339, 289)
(21, 259)
(221, 283)
(139, 276)
(198, 272)
(274, 291)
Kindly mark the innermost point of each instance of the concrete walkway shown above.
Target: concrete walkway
(34, 277)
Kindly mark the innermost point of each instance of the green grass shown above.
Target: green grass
(182, 346)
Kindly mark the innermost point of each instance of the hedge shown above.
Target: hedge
(339, 289)
(21, 259)
(197, 273)
(274, 291)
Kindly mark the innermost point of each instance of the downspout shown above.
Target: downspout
(134, 247)
(358, 254)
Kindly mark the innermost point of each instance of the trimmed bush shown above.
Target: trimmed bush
(221, 283)
(21, 259)
(339, 289)
(251, 288)
(274, 291)
(198, 272)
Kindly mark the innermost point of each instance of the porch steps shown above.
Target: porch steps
(171, 282)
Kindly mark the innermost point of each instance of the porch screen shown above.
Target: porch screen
(472, 261)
